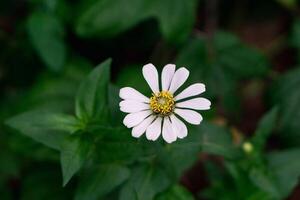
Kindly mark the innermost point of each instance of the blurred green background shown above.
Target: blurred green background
(245, 51)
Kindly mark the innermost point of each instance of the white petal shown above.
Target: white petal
(196, 103)
(167, 75)
(179, 78)
(167, 132)
(190, 91)
(141, 128)
(151, 76)
(131, 93)
(190, 116)
(134, 119)
(179, 126)
(131, 106)
(153, 131)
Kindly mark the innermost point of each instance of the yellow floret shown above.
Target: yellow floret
(162, 103)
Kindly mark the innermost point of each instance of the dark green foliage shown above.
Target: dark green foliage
(62, 136)
(217, 140)
(85, 139)
(176, 192)
(287, 95)
(264, 129)
(107, 18)
(257, 175)
(46, 33)
(48, 128)
(144, 183)
(222, 63)
(99, 181)
(92, 96)
(286, 168)
(74, 152)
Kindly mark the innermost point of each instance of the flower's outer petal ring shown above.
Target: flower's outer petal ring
(190, 91)
(151, 76)
(166, 76)
(196, 104)
(190, 116)
(130, 106)
(179, 78)
(168, 134)
(133, 119)
(133, 94)
(141, 128)
(179, 127)
(154, 130)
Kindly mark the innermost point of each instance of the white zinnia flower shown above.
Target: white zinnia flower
(158, 114)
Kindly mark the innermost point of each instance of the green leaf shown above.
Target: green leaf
(221, 69)
(286, 167)
(224, 40)
(114, 139)
(131, 76)
(222, 182)
(114, 100)
(172, 157)
(47, 128)
(177, 192)
(217, 140)
(264, 182)
(74, 152)
(176, 24)
(259, 195)
(229, 53)
(128, 192)
(42, 182)
(118, 140)
(99, 181)
(286, 94)
(55, 92)
(144, 183)
(295, 34)
(46, 33)
(223, 84)
(92, 96)
(219, 81)
(176, 18)
(97, 18)
(265, 128)
(239, 59)
(194, 56)
(291, 4)
(208, 137)
(244, 61)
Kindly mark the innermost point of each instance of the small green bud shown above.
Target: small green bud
(248, 147)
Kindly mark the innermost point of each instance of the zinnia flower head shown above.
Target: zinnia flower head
(162, 113)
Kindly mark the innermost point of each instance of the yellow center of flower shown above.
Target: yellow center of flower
(162, 103)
